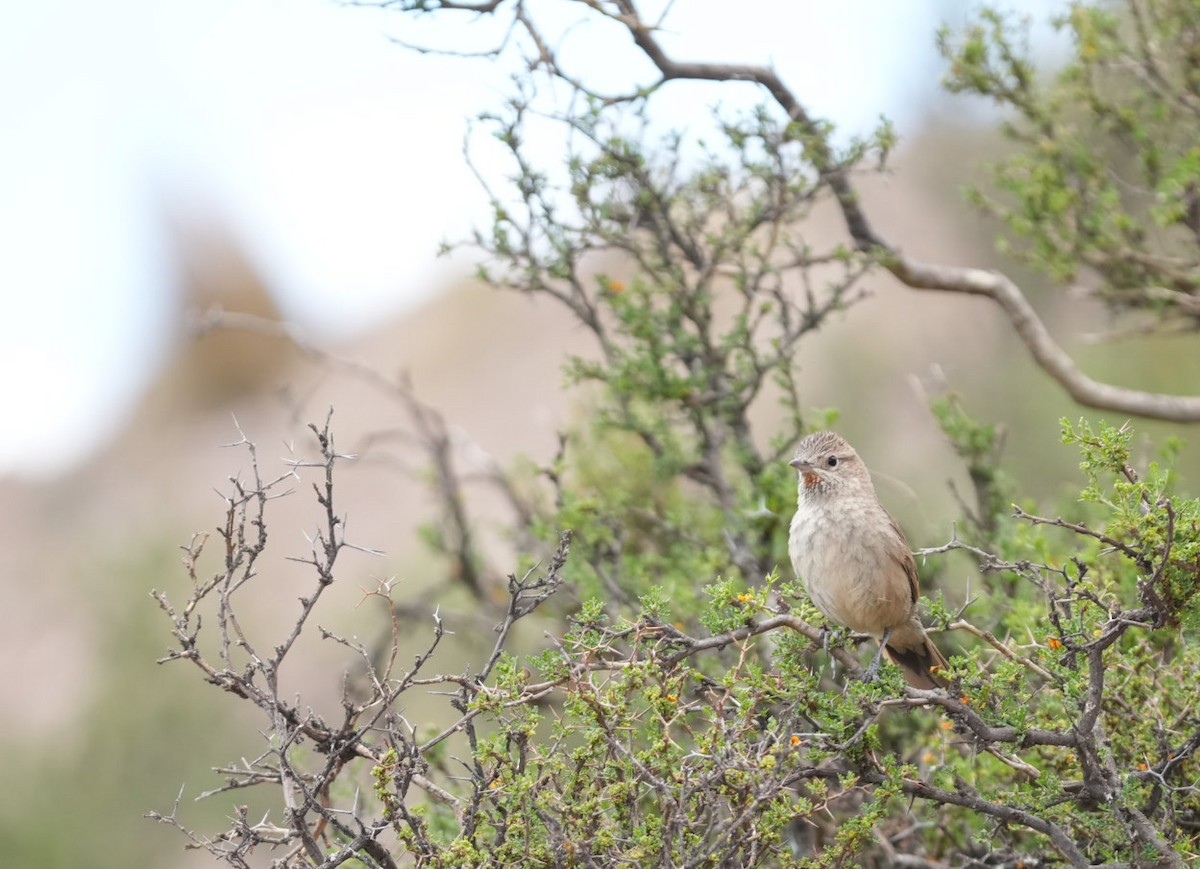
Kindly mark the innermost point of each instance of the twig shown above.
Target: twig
(990, 638)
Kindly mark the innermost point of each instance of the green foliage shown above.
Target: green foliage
(1107, 173)
(1159, 534)
(661, 759)
(635, 519)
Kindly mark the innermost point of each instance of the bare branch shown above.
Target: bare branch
(1045, 351)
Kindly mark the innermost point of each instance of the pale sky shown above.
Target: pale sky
(334, 154)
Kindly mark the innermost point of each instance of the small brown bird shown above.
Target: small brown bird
(854, 560)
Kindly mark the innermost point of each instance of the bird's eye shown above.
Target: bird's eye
(832, 461)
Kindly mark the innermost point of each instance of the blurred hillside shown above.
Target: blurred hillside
(79, 554)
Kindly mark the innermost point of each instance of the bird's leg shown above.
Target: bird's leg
(872, 670)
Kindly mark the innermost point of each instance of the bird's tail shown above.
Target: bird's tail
(916, 655)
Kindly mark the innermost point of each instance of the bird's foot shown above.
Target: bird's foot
(872, 671)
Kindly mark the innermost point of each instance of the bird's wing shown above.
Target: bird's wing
(903, 556)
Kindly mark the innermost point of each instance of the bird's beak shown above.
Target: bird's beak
(800, 465)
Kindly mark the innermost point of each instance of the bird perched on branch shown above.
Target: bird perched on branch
(854, 560)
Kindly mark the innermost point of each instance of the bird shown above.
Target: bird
(853, 559)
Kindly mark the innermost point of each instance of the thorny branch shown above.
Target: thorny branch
(374, 738)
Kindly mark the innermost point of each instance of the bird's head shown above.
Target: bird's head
(827, 464)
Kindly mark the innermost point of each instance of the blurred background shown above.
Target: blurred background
(295, 160)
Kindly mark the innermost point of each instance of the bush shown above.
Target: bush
(690, 707)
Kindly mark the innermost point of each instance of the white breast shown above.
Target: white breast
(844, 562)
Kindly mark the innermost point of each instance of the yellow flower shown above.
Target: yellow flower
(1054, 643)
